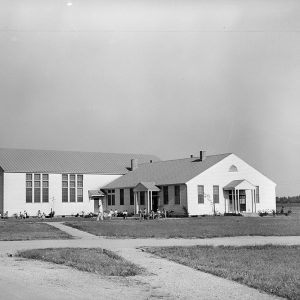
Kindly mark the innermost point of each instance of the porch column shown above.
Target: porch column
(148, 202)
(252, 200)
(225, 198)
(254, 193)
(238, 200)
(151, 204)
(136, 204)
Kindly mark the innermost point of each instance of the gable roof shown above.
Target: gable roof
(166, 172)
(146, 186)
(52, 161)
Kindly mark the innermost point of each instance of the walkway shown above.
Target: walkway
(164, 279)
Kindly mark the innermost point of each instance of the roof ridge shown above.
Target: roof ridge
(76, 151)
(161, 161)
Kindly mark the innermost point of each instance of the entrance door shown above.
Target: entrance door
(242, 200)
(154, 201)
(96, 205)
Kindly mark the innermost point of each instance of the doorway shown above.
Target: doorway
(155, 201)
(242, 199)
(96, 205)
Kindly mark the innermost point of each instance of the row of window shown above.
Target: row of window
(111, 198)
(216, 194)
(37, 188)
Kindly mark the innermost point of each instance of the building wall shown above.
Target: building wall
(15, 194)
(220, 175)
(1, 191)
(177, 208)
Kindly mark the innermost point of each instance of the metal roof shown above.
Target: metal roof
(166, 172)
(52, 161)
(95, 193)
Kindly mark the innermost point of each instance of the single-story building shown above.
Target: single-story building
(64, 181)
(200, 185)
(70, 182)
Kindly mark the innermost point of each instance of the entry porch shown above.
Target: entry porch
(146, 196)
(240, 197)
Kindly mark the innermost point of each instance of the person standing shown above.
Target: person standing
(100, 212)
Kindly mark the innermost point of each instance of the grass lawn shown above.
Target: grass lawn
(201, 227)
(17, 230)
(95, 260)
(273, 269)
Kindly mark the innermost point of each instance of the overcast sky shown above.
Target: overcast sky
(161, 77)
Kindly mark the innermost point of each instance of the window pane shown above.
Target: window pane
(108, 199)
(79, 184)
(28, 195)
(45, 184)
(121, 197)
(45, 177)
(216, 193)
(113, 199)
(28, 184)
(200, 194)
(28, 176)
(37, 176)
(45, 195)
(37, 195)
(72, 177)
(79, 195)
(72, 184)
(131, 197)
(64, 195)
(65, 184)
(79, 177)
(37, 184)
(72, 195)
(257, 194)
(65, 177)
(177, 194)
(166, 195)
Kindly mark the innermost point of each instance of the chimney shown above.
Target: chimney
(192, 155)
(202, 155)
(150, 161)
(134, 164)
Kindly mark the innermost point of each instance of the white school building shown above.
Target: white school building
(70, 182)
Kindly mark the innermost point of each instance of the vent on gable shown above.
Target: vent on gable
(233, 168)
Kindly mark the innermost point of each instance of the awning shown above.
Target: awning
(95, 194)
(146, 186)
(241, 184)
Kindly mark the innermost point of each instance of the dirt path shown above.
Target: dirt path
(165, 279)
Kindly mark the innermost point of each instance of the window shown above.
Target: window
(166, 195)
(65, 186)
(177, 194)
(257, 194)
(200, 194)
(110, 197)
(72, 188)
(28, 188)
(121, 196)
(79, 188)
(37, 194)
(79, 195)
(131, 197)
(45, 185)
(142, 198)
(37, 186)
(216, 195)
(72, 195)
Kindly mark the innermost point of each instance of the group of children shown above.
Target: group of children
(143, 215)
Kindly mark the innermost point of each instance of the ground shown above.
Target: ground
(201, 227)
(274, 269)
(14, 230)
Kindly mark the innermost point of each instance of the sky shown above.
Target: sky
(161, 77)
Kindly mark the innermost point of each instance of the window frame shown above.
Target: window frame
(177, 199)
(131, 195)
(216, 197)
(166, 194)
(122, 197)
(200, 188)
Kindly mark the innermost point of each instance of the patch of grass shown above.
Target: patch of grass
(202, 227)
(273, 269)
(13, 230)
(95, 260)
